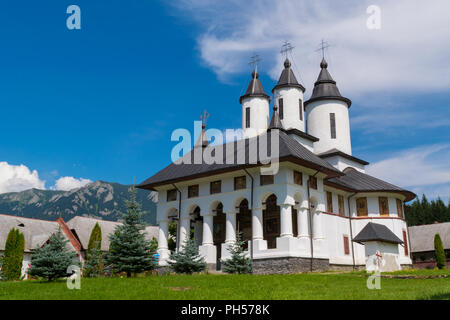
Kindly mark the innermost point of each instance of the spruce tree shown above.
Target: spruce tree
(94, 255)
(187, 260)
(52, 260)
(13, 258)
(239, 262)
(129, 251)
(439, 251)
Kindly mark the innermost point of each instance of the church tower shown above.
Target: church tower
(288, 95)
(327, 115)
(255, 107)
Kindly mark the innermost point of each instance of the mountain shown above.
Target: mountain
(98, 199)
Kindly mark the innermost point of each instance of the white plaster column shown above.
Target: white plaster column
(208, 230)
(230, 231)
(257, 219)
(285, 220)
(185, 228)
(163, 237)
(208, 249)
(303, 223)
(317, 225)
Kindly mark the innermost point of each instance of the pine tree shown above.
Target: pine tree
(129, 251)
(52, 260)
(94, 255)
(239, 262)
(187, 260)
(439, 251)
(13, 258)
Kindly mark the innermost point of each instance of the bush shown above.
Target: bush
(187, 260)
(239, 262)
(13, 258)
(439, 251)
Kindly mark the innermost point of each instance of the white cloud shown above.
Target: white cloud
(409, 52)
(423, 169)
(15, 178)
(69, 183)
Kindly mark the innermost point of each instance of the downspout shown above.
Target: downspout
(179, 218)
(311, 245)
(351, 228)
(251, 221)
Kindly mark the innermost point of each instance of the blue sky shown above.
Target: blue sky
(100, 103)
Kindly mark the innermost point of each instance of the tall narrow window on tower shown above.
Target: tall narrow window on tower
(300, 108)
(280, 108)
(333, 125)
(247, 117)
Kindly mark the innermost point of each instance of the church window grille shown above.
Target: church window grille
(240, 182)
(341, 204)
(172, 195)
(193, 191)
(280, 108)
(383, 205)
(298, 178)
(313, 182)
(399, 208)
(361, 205)
(300, 109)
(247, 117)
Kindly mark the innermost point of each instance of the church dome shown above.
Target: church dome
(255, 88)
(287, 78)
(325, 87)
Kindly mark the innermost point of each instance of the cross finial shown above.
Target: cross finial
(323, 45)
(204, 117)
(286, 48)
(254, 60)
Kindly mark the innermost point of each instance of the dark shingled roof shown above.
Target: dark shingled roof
(287, 78)
(325, 87)
(255, 88)
(356, 181)
(275, 122)
(376, 232)
(335, 152)
(302, 134)
(290, 150)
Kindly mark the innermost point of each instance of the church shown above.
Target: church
(318, 211)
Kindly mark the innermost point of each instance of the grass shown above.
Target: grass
(232, 287)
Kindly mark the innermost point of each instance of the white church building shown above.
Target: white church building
(307, 214)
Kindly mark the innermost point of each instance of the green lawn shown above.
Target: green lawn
(229, 287)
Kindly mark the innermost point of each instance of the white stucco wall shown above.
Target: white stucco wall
(341, 163)
(291, 115)
(318, 125)
(259, 115)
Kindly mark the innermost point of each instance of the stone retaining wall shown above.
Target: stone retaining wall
(288, 265)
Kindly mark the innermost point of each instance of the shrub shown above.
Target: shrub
(13, 258)
(187, 260)
(439, 251)
(239, 262)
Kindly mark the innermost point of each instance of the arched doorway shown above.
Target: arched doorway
(244, 222)
(271, 221)
(219, 225)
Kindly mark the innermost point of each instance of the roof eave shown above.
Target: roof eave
(346, 100)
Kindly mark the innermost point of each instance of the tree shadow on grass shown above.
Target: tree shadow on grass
(438, 296)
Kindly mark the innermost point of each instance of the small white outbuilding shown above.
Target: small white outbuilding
(381, 248)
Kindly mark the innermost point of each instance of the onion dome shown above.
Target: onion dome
(287, 78)
(255, 88)
(325, 87)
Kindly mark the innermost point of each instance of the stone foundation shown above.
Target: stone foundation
(288, 265)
